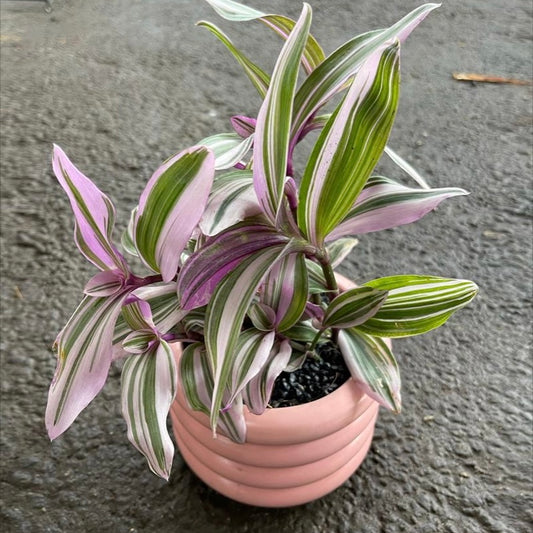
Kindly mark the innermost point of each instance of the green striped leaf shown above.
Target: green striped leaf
(406, 167)
(302, 332)
(128, 236)
(349, 146)
(274, 121)
(339, 249)
(385, 204)
(197, 382)
(417, 304)
(257, 76)
(232, 199)
(148, 388)
(226, 311)
(353, 307)
(228, 148)
(84, 353)
(170, 208)
(262, 316)
(373, 366)
(332, 75)
(285, 290)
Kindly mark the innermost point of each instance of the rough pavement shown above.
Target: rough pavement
(122, 85)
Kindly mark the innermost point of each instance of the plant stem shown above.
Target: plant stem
(329, 275)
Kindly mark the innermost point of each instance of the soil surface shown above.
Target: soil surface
(121, 85)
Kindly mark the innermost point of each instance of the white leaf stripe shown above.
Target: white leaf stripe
(148, 389)
(373, 365)
(406, 167)
(228, 148)
(332, 74)
(84, 349)
(273, 122)
(234, 11)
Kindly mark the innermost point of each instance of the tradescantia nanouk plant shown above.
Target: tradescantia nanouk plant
(240, 248)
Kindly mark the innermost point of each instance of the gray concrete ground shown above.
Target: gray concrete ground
(123, 84)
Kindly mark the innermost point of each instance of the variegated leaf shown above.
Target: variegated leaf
(243, 126)
(285, 290)
(149, 385)
(372, 365)
(353, 307)
(406, 167)
(274, 121)
(84, 352)
(128, 236)
(332, 75)
(257, 76)
(262, 316)
(94, 215)
(197, 382)
(105, 283)
(226, 311)
(251, 353)
(232, 199)
(417, 304)
(349, 146)
(220, 255)
(229, 148)
(171, 206)
(257, 393)
(385, 204)
(313, 54)
(302, 332)
(138, 342)
(339, 249)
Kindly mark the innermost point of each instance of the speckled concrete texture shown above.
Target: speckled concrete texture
(123, 84)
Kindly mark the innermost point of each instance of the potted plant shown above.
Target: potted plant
(273, 367)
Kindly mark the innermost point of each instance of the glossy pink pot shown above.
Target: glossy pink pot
(292, 455)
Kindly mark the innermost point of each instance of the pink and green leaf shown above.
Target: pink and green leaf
(257, 393)
(171, 207)
(94, 215)
(262, 316)
(353, 307)
(220, 255)
(349, 146)
(332, 75)
(373, 366)
(274, 121)
(286, 289)
(197, 382)
(149, 385)
(232, 199)
(243, 125)
(385, 204)
(416, 304)
(226, 311)
(84, 349)
(105, 283)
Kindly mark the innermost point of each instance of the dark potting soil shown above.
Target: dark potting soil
(315, 379)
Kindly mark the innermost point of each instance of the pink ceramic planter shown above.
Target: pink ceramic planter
(292, 455)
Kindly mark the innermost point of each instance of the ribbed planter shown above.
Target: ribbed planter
(292, 455)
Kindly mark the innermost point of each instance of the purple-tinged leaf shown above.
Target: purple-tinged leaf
(262, 316)
(171, 206)
(257, 76)
(138, 342)
(197, 382)
(274, 121)
(84, 349)
(385, 204)
(229, 148)
(353, 307)
(256, 394)
(220, 255)
(226, 311)
(286, 289)
(138, 315)
(105, 283)
(349, 146)
(232, 199)
(332, 75)
(128, 236)
(94, 215)
(373, 366)
(244, 126)
(251, 353)
(148, 389)
(314, 311)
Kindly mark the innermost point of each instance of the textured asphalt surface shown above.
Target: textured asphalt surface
(123, 84)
